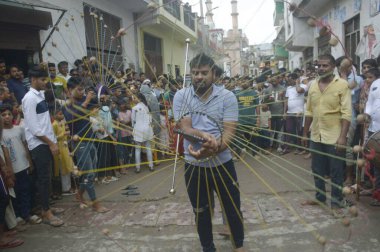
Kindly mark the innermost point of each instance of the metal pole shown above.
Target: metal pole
(172, 189)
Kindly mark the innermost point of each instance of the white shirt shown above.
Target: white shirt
(295, 99)
(14, 139)
(36, 118)
(372, 107)
(141, 123)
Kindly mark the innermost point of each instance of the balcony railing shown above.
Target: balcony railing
(173, 7)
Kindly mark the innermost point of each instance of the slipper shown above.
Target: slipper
(131, 193)
(375, 202)
(311, 203)
(56, 197)
(224, 233)
(365, 192)
(10, 233)
(53, 221)
(130, 187)
(101, 209)
(34, 219)
(57, 210)
(11, 244)
(338, 213)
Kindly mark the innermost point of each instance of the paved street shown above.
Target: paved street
(274, 218)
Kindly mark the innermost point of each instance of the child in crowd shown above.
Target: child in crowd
(14, 140)
(264, 128)
(98, 127)
(142, 130)
(124, 134)
(164, 134)
(63, 163)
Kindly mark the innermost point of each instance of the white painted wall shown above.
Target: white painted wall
(338, 12)
(294, 60)
(71, 40)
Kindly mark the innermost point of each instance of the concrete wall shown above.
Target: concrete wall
(294, 60)
(336, 14)
(71, 40)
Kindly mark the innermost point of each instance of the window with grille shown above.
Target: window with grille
(352, 37)
(173, 7)
(98, 37)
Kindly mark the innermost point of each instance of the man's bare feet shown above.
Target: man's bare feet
(240, 249)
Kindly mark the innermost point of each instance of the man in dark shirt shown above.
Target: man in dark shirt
(15, 85)
(77, 117)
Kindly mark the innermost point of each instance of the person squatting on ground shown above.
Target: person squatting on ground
(218, 172)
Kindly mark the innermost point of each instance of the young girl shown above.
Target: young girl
(63, 162)
(124, 134)
(103, 148)
(142, 130)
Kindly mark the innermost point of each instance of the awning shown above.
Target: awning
(24, 12)
(31, 4)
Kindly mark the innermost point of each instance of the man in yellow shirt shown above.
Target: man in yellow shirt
(328, 113)
(59, 83)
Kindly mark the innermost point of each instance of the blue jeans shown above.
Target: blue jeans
(323, 165)
(218, 179)
(86, 157)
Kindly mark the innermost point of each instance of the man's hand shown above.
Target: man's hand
(341, 144)
(54, 149)
(208, 149)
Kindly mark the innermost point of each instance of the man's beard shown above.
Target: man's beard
(324, 75)
(200, 86)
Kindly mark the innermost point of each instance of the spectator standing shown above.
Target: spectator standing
(40, 137)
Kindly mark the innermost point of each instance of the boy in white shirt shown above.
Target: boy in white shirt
(14, 140)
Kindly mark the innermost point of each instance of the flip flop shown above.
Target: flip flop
(311, 203)
(129, 193)
(34, 219)
(224, 233)
(57, 210)
(53, 221)
(101, 210)
(130, 187)
(10, 233)
(375, 203)
(11, 244)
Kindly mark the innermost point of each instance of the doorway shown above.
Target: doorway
(21, 58)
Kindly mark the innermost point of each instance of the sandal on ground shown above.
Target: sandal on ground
(53, 221)
(128, 193)
(101, 209)
(57, 210)
(10, 233)
(225, 233)
(11, 243)
(366, 192)
(375, 202)
(130, 187)
(56, 197)
(311, 203)
(338, 213)
(34, 219)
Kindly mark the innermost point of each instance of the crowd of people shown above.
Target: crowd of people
(65, 130)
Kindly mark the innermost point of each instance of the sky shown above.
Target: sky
(255, 17)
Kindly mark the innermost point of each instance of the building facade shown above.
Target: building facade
(353, 24)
